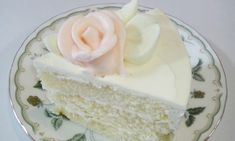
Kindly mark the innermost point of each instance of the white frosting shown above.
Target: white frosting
(166, 76)
(160, 73)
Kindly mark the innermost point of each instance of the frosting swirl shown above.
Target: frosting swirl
(94, 41)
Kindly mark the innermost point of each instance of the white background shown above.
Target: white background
(214, 19)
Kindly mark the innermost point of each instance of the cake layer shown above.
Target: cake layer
(120, 99)
(98, 109)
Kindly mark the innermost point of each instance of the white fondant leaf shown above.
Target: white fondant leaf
(50, 42)
(128, 11)
(142, 36)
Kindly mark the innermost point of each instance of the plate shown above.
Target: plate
(31, 108)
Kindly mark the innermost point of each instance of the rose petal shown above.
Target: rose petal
(107, 28)
(112, 61)
(65, 41)
(91, 37)
(103, 53)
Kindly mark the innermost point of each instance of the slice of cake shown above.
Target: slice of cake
(123, 74)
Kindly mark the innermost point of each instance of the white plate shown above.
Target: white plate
(206, 105)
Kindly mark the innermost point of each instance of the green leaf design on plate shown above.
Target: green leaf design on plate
(192, 112)
(57, 119)
(78, 137)
(34, 101)
(198, 94)
(38, 84)
(195, 71)
(64, 116)
(196, 111)
(182, 38)
(56, 122)
(190, 120)
(198, 77)
(47, 139)
(198, 66)
(50, 114)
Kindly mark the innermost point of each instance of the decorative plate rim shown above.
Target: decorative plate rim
(217, 123)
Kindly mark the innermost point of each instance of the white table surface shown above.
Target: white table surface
(214, 19)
